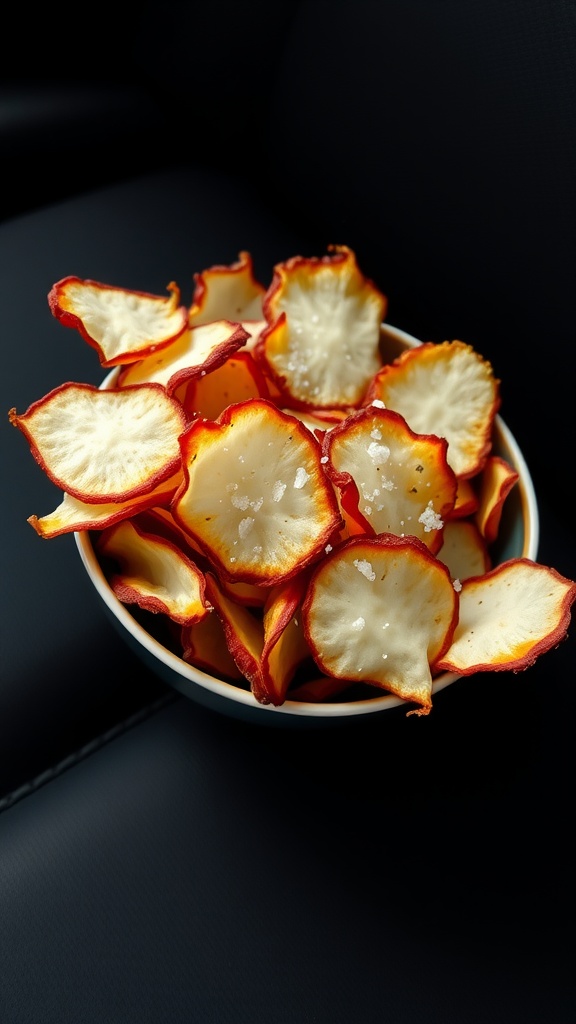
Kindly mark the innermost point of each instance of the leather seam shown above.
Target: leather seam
(55, 771)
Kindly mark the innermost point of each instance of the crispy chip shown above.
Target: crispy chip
(267, 649)
(104, 446)
(497, 480)
(391, 479)
(446, 389)
(227, 293)
(154, 573)
(121, 325)
(322, 344)
(197, 352)
(72, 514)
(381, 610)
(464, 549)
(509, 617)
(255, 497)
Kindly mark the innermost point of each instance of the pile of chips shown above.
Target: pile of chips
(304, 514)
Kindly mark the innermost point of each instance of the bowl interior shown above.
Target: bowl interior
(518, 537)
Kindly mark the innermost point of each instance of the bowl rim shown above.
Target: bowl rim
(228, 691)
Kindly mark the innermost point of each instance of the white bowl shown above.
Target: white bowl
(518, 537)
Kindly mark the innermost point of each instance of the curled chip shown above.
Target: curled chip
(446, 389)
(197, 352)
(154, 573)
(121, 325)
(509, 617)
(266, 649)
(255, 497)
(391, 479)
(497, 480)
(227, 293)
(321, 347)
(464, 549)
(237, 380)
(381, 610)
(72, 514)
(104, 446)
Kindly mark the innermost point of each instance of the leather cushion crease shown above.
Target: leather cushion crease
(159, 861)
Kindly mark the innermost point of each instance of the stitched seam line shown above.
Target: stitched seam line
(27, 788)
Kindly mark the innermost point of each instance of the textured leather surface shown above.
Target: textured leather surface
(195, 869)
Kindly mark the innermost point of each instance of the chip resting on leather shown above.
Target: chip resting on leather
(447, 389)
(255, 497)
(104, 445)
(322, 345)
(121, 325)
(382, 611)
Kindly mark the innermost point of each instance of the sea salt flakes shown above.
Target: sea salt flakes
(430, 519)
(278, 489)
(378, 452)
(301, 478)
(244, 527)
(359, 623)
(365, 568)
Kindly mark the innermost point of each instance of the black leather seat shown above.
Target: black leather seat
(159, 862)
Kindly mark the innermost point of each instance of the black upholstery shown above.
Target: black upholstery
(159, 862)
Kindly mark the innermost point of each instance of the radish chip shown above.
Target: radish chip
(227, 293)
(197, 352)
(72, 514)
(446, 389)
(509, 617)
(498, 479)
(104, 446)
(266, 649)
(392, 480)
(322, 345)
(464, 550)
(154, 573)
(381, 611)
(121, 325)
(255, 496)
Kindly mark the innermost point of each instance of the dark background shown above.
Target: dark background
(161, 862)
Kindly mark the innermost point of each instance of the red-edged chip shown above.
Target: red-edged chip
(391, 480)
(497, 480)
(464, 550)
(381, 610)
(204, 646)
(269, 648)
(509, 617)
(199, 351)
(322, 345)
(121, 325)
(237, 380)
(72, 515)
(154, 573)
(467, 500)
(255, 497)
(447, 389)
(104, 446)
(229, 292)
